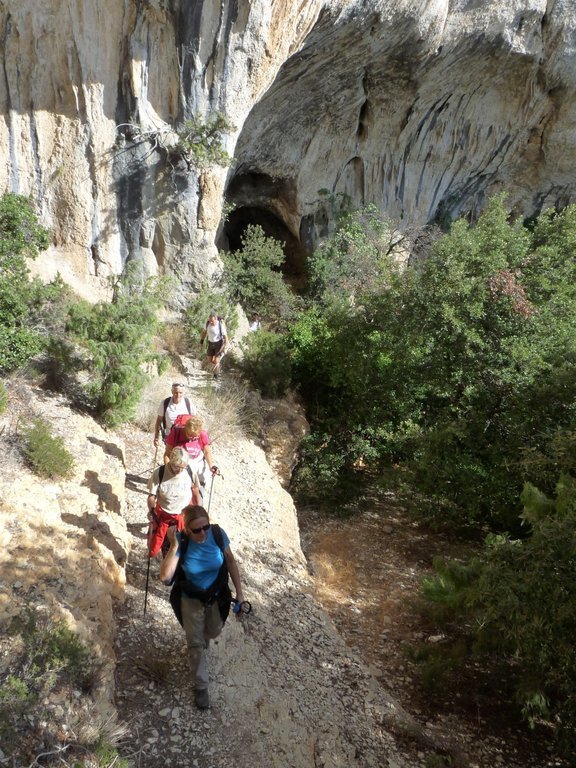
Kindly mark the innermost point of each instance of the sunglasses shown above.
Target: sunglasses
(204, 528)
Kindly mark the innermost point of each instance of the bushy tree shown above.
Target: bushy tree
(357, 259)
(199, 309)
(252, 275)
(117, 337)
(450, 365)
(21, 237)
(266, 362)
(517, 600)
(201, 142)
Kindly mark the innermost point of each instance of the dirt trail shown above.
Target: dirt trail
(285, 689)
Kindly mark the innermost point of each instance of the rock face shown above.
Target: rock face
(422, 108)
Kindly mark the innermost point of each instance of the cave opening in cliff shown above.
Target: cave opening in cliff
(256, 199)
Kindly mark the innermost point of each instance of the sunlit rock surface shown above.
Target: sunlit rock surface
(422, 108)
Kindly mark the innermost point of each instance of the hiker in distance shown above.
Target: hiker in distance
(215, 331)
(171, 487)
(198, 564)
(188, 433)
(169, 409)
(255, 322)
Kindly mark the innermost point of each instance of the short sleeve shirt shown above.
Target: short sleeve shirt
(216, 332)
(175, 491)
(173, 410)
(202, 562)
(195, 446)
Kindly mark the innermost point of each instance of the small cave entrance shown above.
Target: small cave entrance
(255, 196)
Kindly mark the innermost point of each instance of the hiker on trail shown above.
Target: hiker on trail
(217, 334)
(187, 433)
(171, 488)
(169, 409)
(198, 562)
(255, 323)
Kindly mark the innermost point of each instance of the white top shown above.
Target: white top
(213, 331)
(173, 410)
(175, 491)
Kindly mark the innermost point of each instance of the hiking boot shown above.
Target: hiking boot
(202, 698)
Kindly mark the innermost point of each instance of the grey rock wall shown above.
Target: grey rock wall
(422, 108)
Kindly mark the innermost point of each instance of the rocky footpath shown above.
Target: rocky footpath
(286, 691)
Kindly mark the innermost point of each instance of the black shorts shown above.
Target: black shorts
(214, 347)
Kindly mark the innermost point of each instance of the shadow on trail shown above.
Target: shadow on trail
(111, 449)
(133, 481)
(98, 530)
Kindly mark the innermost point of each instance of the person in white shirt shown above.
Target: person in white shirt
(255, 323)
(171, 488)
(169, 409)
(215, 331)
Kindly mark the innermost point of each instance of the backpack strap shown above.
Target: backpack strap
(218, 538)
(165, 407)
(188, 406)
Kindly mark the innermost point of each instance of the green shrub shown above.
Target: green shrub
(21, 238)
(456, 347)
(116, 338)
(41, 657)
(47, 454)
(356, 258)
(266, 362)
(517, 601)
(200, 143)
(3, 397)
(252, 275)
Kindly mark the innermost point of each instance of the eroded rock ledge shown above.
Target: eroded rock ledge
(64, 545)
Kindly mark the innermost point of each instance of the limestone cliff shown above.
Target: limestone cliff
(423, 108)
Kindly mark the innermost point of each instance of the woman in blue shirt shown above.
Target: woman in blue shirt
(200, 572)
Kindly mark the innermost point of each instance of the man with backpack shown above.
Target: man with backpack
(215, 331)
(169, 409)
(171, 488)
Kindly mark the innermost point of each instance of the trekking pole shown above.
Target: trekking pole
(155, 457)
(146, 589)
(211, 487)
(148, 566)
(210, 497)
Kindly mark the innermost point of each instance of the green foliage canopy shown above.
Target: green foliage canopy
(201, 142)
(117, 339)
(252, 275)
(449, 365)
(21, 299)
